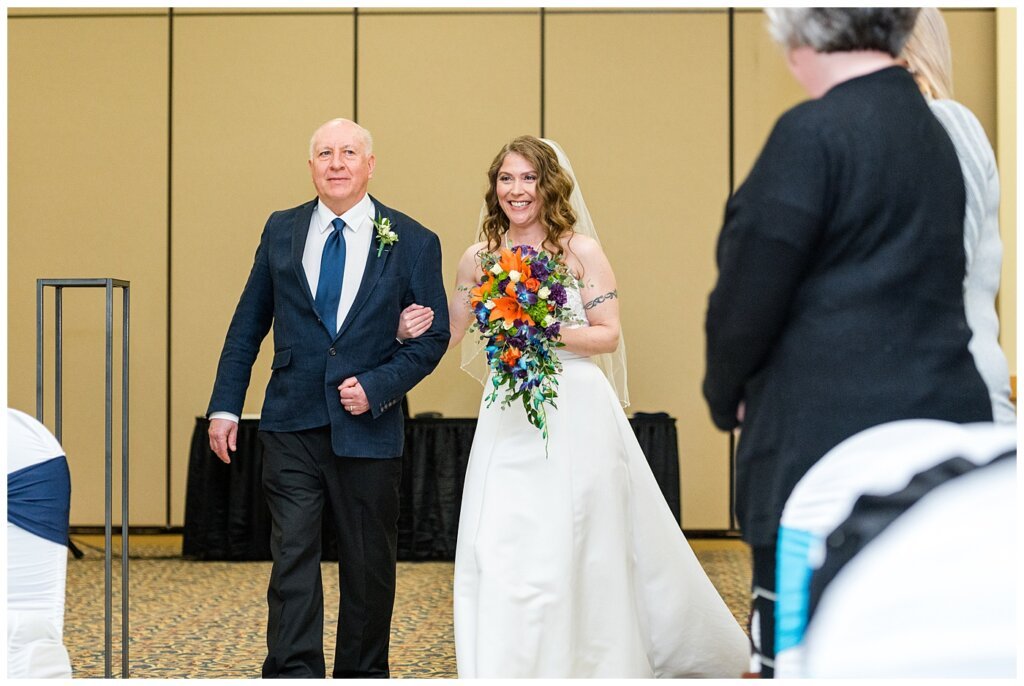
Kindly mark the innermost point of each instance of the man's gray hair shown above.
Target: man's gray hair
(363, 133)
(842, 29)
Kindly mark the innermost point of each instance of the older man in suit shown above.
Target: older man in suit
(332, 276)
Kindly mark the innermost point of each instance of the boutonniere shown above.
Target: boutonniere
(385, 235)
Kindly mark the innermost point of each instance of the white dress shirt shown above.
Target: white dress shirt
(358, 235)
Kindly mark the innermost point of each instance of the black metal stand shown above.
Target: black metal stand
(734, 526)
(109, 285)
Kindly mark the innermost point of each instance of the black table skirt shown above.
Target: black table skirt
(226, 517)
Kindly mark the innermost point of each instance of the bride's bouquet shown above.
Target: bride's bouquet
(518, 304)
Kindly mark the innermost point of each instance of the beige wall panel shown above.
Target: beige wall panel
(187, 11)
(248, 93)
(640, 103)
(441, 95)
(442, 11)
(764, 88)
(85, 11)
(87, 185)
(972, 37)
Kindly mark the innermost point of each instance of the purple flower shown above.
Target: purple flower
(558, 295)
(526, 251)
(552, 331)
(539, 270)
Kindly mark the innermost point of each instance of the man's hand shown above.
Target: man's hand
(223, 437)
(414, 321)
(353, 397)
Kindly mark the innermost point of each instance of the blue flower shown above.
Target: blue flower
(482, 315)
(524, 295)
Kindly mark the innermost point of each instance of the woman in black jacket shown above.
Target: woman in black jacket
(839, 302)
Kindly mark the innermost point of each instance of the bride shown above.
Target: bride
(569, 562)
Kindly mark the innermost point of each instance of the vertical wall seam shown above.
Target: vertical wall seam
(733, 524)
(170, 156)
(355, 64)
(543, 68)
(732, 102)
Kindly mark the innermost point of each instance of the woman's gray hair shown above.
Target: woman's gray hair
(842, 29)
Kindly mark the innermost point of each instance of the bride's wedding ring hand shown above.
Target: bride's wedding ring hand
(414, 321)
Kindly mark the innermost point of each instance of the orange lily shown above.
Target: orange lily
(509, 309)
(513, 261)
(510, 356)
(477, 294)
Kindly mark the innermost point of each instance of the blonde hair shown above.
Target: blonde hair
(928, 55)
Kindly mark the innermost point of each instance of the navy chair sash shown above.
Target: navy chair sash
(39, 499)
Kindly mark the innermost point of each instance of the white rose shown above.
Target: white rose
(547, 321)
(543, 293)
(489, 304)
(496, 269)
(508, 324)
(514, 276)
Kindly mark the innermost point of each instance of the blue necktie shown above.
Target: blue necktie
(332, 270)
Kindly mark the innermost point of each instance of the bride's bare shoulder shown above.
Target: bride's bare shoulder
(583, 246)
(472, 253)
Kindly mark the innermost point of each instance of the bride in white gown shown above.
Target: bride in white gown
(569, 562)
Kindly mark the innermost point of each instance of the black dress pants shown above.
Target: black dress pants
(301, 474)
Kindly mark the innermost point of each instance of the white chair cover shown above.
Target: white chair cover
(932, 596)
(879, 460)
(36, 570)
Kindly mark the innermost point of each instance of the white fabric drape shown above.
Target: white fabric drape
(36, 571)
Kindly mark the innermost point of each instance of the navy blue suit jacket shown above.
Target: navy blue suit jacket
(309, 361)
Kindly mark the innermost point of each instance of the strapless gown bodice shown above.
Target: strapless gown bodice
(574, 318)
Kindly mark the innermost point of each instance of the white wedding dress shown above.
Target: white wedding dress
(571, 564)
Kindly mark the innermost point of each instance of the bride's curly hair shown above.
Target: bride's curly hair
(553, 189)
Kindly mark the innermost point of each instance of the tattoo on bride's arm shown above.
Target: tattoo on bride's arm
(600, 299)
